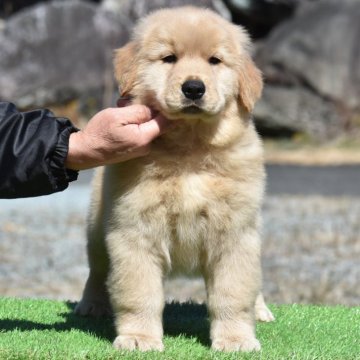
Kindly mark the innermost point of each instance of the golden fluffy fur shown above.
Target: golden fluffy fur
(193, 204)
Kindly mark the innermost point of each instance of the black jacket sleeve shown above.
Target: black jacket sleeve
(33, 150)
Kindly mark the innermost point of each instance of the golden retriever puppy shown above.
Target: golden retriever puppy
(191, 205)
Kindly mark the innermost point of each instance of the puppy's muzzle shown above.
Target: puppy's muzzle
(193, 89)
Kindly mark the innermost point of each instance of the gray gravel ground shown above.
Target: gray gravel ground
(311, 247)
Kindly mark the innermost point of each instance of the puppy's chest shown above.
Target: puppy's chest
(191, 201)
(180, 205)
(193, 206)
(193, 192)
(190, 184)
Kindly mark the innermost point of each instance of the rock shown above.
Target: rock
(135, 9)
(9, 7)
(260, 16)
(311, 67)
(57, 51)
(283, 112)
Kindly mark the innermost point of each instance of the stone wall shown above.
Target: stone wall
(56, 51)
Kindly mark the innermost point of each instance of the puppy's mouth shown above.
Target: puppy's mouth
(192, 109)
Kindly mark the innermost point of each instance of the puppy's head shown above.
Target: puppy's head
(188, 63)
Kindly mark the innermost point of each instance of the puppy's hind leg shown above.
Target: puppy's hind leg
(262, 312)
(95, 299)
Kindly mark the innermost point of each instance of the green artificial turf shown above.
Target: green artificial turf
(43, 329)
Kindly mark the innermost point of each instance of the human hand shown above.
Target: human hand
(114, 135)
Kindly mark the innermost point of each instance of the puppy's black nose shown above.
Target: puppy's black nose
(193, 89)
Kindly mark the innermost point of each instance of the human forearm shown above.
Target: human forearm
(33, 149)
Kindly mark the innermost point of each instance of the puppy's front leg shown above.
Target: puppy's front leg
(136, 293)
(233, 281)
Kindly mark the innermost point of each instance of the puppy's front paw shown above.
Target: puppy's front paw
(234, 344)
(92, 308)
(138, 342)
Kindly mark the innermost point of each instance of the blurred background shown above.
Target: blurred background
(58, 54)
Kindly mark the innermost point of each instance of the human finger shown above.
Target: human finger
(132, 114)
(155, 127)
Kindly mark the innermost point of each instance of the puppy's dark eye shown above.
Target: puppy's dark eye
(213, 60)
(170, 59)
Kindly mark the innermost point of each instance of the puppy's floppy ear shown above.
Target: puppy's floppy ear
(125, 67)
(250, 83)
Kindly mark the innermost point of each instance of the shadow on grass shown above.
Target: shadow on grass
(102, 328)
(187, 319)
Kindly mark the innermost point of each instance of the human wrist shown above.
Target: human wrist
(80, 153)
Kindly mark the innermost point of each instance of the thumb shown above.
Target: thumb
(155, 127)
